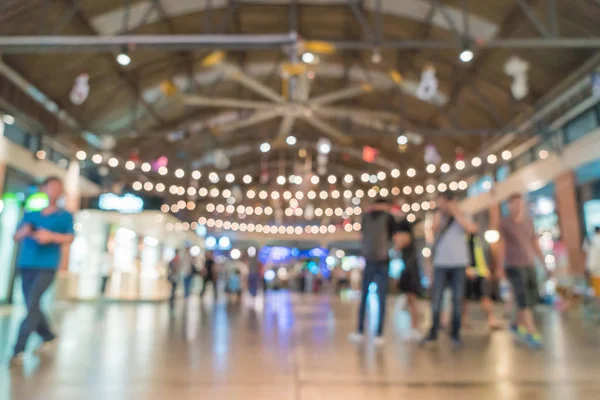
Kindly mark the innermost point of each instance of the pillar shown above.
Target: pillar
(569, 221)
(2, 158)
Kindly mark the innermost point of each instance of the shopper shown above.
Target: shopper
(209, 274)
(450, 259)
(42, 234)
(518, 247)
(173, 276)
(105, 269)
(377, 232)
(189, 272)
(479, 284)
(410, 279)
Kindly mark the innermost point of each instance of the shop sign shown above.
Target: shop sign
(126, 204)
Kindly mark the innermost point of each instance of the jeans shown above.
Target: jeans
(173, 292)
(375, 271)
(187, 285)
(35, 283)
(205, 284)
(455, 279)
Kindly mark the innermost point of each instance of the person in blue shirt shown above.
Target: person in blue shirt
(41, 234)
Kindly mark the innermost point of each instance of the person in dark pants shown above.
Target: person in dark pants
(42, 234)
(450, 260)
(173, 276)
(378, 228)
(209, 274)
(517, 249)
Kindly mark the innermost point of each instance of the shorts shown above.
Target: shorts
(477, 288)
(410, 281)
(524, 284)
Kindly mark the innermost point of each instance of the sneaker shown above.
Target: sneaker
(427, 341)
(534, 342)
(46, 346)
(519, 333)
(17, 359)
(379, 341)
(356, 337)
(414, 335)
(456, 344)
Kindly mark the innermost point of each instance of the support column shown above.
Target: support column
(2, 157)
(569, 221)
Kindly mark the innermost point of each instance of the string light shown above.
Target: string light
(442, 187)
(148, 186)
(229, 178)
(411, 172)
(146, 167)
(130, 165)
(81, 155)
(97, 158)
(314, 179)
(476, 162)
(203, 192)
(263, 195)
(335, 194)
(430, 188)
(506, 155)
(281, 180)
(113, 162)
(159, 187)
(460, 165)
(381, 175)
(137, 186)
(332, 179)
(312, 195)
(491, 159)
(445, 168)
(431, 168)
(364, 177)
(287, 195)
(418, 189)
(395, 173)
(407, 190)
(323, 195)
(213, 177)
(196, 175)
(179, 173)
(250, 194)
(163, 170)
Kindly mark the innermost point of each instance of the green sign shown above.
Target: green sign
(36, 202)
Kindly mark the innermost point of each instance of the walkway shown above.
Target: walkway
(293, 348)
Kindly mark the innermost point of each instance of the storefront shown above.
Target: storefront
(131, 250)
(588, 195)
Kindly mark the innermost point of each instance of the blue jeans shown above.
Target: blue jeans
(375, 271)
(35, 282)
(455, 279)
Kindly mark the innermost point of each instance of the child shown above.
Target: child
(234, 285)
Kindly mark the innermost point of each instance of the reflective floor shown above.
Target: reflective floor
(289, 347)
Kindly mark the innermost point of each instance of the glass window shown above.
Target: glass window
(15, 135)
(580, 126)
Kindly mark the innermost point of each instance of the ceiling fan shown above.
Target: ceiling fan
(295, 103)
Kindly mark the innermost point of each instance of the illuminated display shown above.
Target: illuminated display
(126, 204)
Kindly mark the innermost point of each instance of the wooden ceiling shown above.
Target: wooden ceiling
(125, 101)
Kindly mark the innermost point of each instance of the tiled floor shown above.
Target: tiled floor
(290, 348)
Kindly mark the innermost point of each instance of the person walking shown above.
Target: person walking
(479, 283)
(450, 260)
(189, 272)
(209, 275)
(410, 279)
(105, 269)
(173, 276)
(378, 228)
(517, 249)
(41, 234)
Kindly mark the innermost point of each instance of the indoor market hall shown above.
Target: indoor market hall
(299, 199)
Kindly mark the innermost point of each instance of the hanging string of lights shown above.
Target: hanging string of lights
(215, 177)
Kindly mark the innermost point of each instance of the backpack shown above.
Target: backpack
(376, 236)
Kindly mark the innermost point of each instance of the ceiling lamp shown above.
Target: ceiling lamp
(310, 58)
(466, 56)
(123, 59)
(376, 56)
(8, 119)
(265, 147)
(324, 146)
(291, 140)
